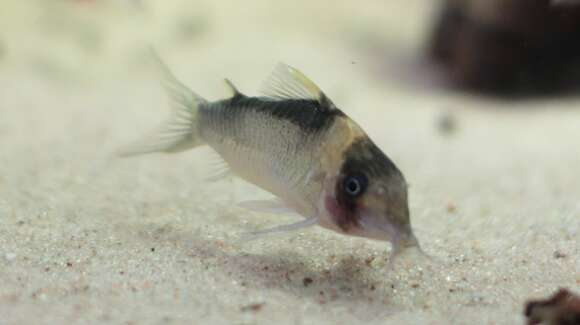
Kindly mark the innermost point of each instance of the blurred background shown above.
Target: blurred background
(76, 40)
(496, 47)
(474, 100)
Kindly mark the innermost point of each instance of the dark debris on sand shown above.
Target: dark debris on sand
(562, 308)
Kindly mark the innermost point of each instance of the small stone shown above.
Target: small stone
(253, 307)
(369, 260)
(451, 207)
(10, 256)
(559, 254)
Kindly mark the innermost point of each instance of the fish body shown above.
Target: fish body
(296, 144)
(267, 143)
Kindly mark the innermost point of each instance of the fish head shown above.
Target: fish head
(366, 196)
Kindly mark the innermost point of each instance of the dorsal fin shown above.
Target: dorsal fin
(286, 82)
(235, 92)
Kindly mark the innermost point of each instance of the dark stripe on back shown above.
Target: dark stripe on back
(308, 114)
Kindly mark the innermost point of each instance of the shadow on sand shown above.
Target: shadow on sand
(347, 279)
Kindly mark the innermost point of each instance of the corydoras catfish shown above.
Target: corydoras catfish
(296, 144)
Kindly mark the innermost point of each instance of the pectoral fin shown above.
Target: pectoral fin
(219, 169)
(274, 206)
(306, 223)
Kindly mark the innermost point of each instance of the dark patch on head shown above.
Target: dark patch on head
(310, 115)
(363, 157)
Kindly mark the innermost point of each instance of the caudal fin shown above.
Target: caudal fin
(180, 131)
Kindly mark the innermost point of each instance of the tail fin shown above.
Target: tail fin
(180, 132)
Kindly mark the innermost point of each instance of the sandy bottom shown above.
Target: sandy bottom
(85, 238)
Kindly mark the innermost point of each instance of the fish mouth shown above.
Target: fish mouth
(400, 236)
(405, 248)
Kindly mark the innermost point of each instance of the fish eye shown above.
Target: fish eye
(355, 185)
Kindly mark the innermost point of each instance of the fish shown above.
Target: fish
(295, 143)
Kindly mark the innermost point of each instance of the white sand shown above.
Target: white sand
(87, 239)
